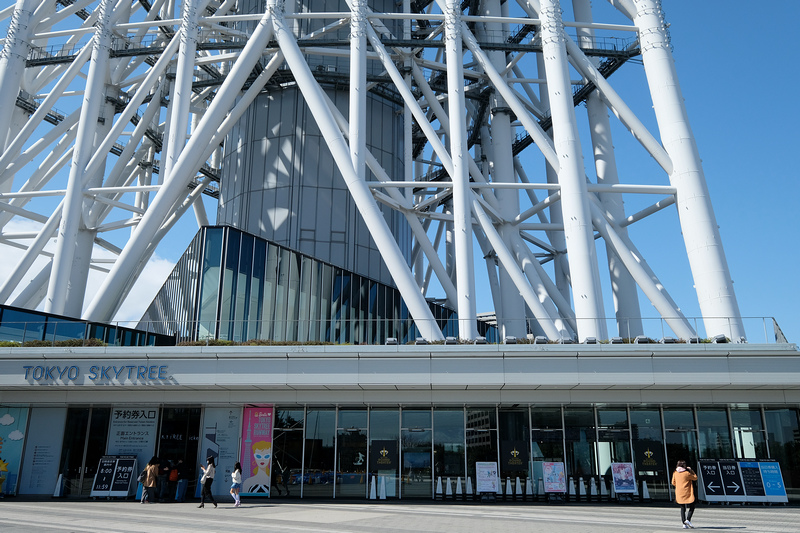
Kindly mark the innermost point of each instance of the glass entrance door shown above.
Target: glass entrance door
(351, 454)
(84, 441)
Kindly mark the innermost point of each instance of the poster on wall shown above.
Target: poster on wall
(622, 474)
(13, 424)
(133, 432)
(256, 453)
(554, 478)
(221, 434)
(43, 450)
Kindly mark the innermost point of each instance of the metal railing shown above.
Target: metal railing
(358, 331)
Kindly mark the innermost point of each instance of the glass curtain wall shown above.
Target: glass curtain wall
(384, 457)
(287, 447)
(319, 459)
(416, 434)
(580, 437)
(749, 436)
(714, 433)
(351, 454)
(514, 446)
(250, 288)
(547, 434)
(680, 436)
(648, 449)
(449, 457)
(783, 434)
(481, 437)
(613, 438)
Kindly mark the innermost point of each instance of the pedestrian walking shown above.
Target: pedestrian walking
(236, 484)
(150, 480)
(207, 480)
(682, 479)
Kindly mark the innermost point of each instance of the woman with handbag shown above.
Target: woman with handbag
(207, 480)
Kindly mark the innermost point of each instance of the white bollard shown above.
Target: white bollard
(470, 492)
(528, 488)
(459, 492)
(383, 488)
(603, 488)
(449, 490)
(509, 491)
(645, 492)
(571, 491)
(518, 490)
(540, 487)
(373, 493)
(581, 488)
(593, 489)
(439, 488)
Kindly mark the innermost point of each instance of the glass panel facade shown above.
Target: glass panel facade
(318, 461)
(715, 439)
(330, 453)
(250, 289)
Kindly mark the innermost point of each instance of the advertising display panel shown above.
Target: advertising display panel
(13, 422)
(43, 450)
(221, 439)
(256, 453)
(774, 489)
(732, 481)
(555, 480)
(133, 432)
(622, 475)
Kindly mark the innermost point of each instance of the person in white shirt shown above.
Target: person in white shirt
(236, 484)
(207, 480)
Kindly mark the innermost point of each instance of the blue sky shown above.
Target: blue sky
(737, 67)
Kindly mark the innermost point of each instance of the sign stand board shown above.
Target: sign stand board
(114, 476)
(487, 480)
(741, 481)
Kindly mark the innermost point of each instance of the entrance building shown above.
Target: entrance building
(413, 416)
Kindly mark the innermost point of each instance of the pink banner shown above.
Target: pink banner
(256, 456)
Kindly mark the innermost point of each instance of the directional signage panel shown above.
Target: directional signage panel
(774, 488)
(753, 484)
(732, 481)
(711, 482)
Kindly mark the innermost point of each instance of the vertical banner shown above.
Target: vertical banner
(43, 450)
(13, 423)
(133, 432)
(256, 454)
(221, 434)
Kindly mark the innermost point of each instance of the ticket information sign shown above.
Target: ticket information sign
(772, 479)
(114, 476)
(753, 484)
(732, 482)
(711, 481)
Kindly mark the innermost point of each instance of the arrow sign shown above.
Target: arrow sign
(712, 487)
(732, 481)
(711, 481)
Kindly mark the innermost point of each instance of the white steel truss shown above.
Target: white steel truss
(492, 93)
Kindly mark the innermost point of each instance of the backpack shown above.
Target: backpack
(141, 477)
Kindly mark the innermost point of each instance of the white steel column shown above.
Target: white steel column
(163, 205)
(701, 235)
(358, 86)
(571, 175)
(462, 214)
(182, 92)
(513, 321)
(392, 256)
(84, 147)
(626, 297)
(12, 62)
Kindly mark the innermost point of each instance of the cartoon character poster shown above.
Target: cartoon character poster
(13, 423)
(256, 455)
(554, 478)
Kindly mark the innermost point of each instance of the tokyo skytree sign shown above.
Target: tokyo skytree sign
(458, 131)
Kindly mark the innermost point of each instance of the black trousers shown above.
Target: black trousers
(206, 492)
(684, 515)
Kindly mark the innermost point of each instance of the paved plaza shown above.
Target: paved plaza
(17, 515)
